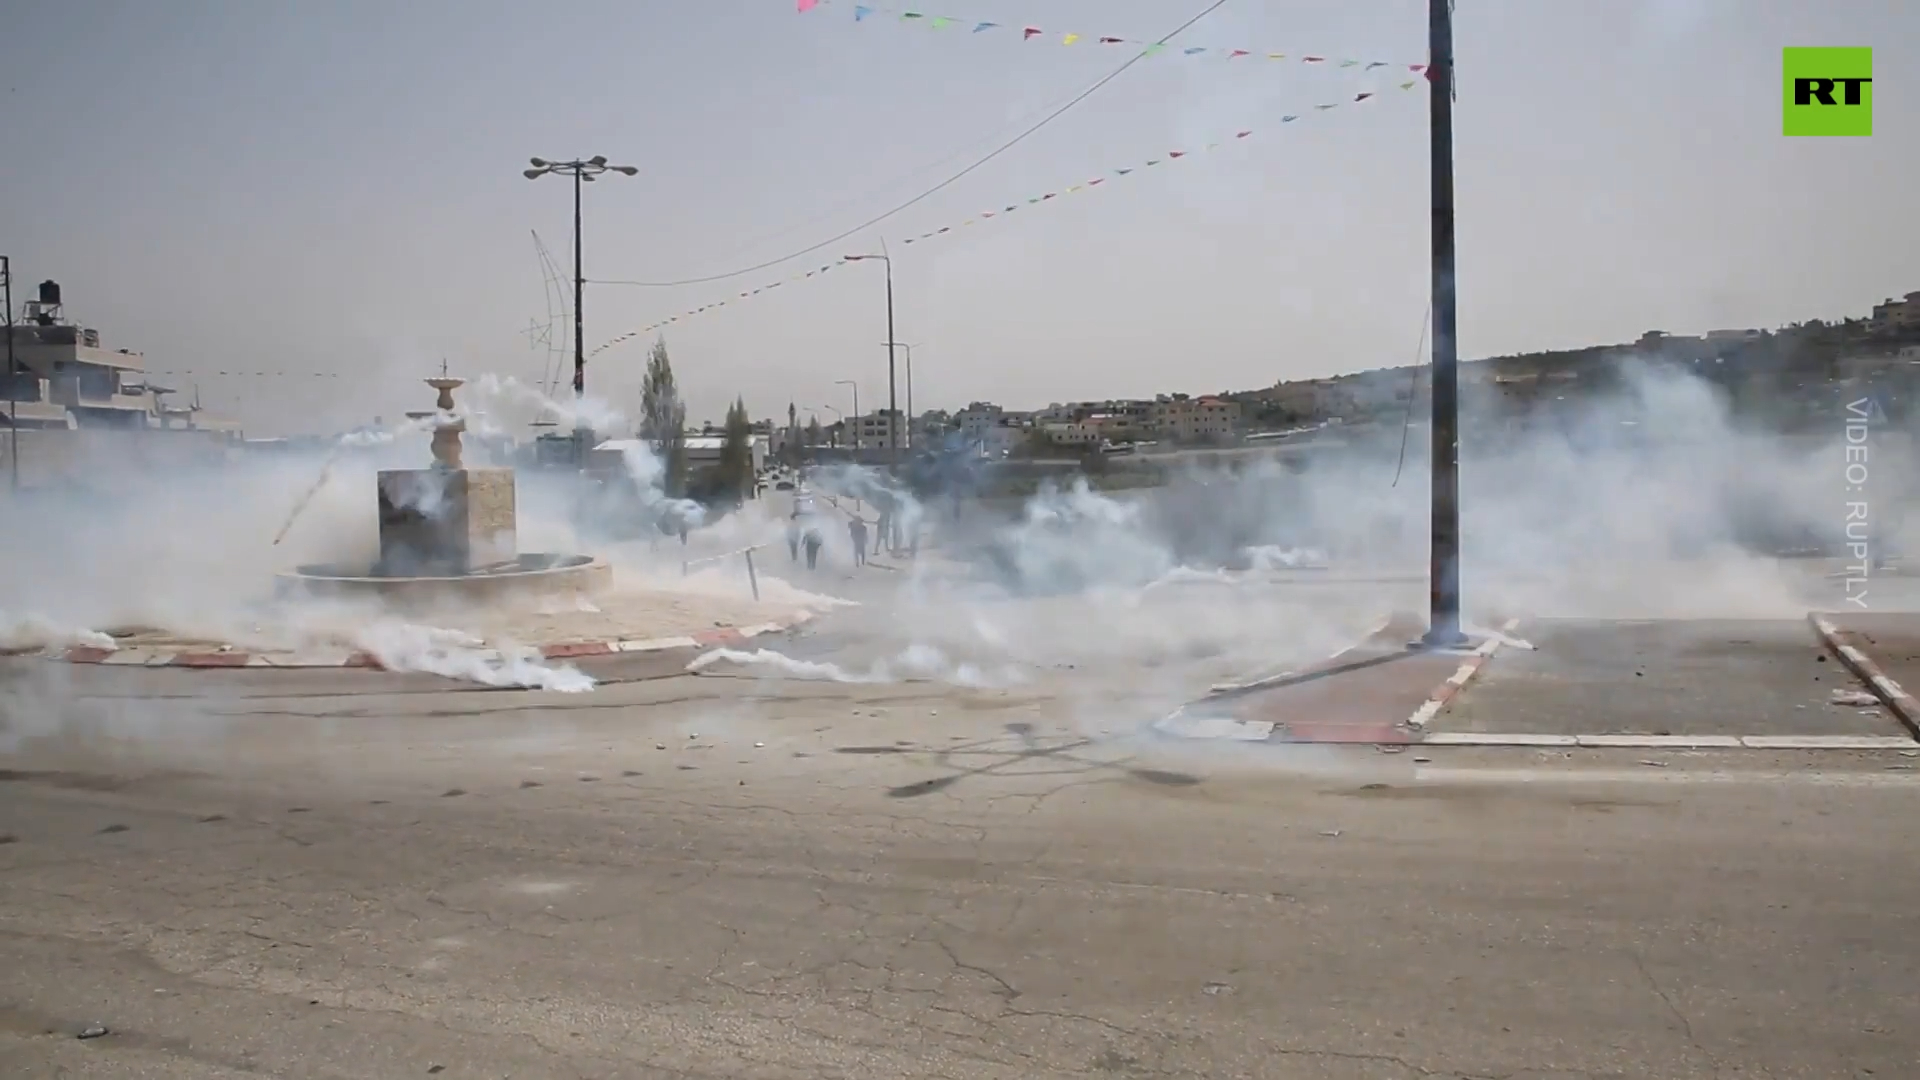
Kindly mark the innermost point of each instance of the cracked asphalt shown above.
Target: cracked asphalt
(359, 875)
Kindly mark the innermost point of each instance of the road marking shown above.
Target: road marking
(1476, 738)
(1462, 675)
(1674, 742)
(1445, 775)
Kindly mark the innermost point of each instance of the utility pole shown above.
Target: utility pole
(893, 400)
(13, 380)
(1443, 570)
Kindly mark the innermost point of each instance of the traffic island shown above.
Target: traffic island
(1671, 684)
(1373, 693)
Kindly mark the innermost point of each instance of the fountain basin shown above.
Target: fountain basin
(529, 576)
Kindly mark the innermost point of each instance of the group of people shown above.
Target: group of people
(803, 534)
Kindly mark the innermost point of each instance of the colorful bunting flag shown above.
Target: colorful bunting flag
(984, 215)
(1030, 33)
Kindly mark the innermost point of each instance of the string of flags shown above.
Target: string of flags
(994, 215)
(258, 374)
(863, 12)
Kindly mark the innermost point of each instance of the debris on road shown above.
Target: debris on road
(92, 1031)
(1856, 698)
(1216, 988)
(1329, 832)
(1654, 764)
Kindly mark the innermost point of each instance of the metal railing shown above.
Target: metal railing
(746, 554)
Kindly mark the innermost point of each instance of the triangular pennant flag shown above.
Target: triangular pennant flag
(1375, 64)
(1155, 161)
(1348, 63)
(1030, 33)
(805, 6)
(1312, 59)
(1408, 85)
(1122, 172)
(1196, 50)
(1276, 56)
(1112, 41)
(1363, 97)
(939, 21)
(947, 228)
(1049, 195)
(861, 11)
(984, 26)
(986, 213)
(1288, 119)
(1011, 209)
(1070, 39)
(1242, 134)
(1323, 108)
(1177, 154)
(1238, 52)
(1096, 180)
(1074, 188)
(910, 15)
(908, 240)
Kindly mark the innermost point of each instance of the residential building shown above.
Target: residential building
(1900, 313)
(66, 379)
(875, 429)
(1179, 418)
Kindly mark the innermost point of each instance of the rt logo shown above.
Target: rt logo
(1827, 92)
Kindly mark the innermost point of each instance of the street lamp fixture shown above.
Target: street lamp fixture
(893, 403)
(581, 171)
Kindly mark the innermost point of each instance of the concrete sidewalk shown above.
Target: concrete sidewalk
(1686, 680)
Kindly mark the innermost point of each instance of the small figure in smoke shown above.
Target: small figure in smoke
(885, 531)
(812, 541)
(793, 536)
(857, 531)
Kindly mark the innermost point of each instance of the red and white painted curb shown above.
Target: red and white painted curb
(1463, 675)
(1892, 694)
(228, 657)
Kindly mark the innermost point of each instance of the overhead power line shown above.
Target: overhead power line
(937, 188)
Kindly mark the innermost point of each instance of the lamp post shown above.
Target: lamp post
(582, 172)
(893, 404)
(13, 379)
(856, 408)
(909, 346)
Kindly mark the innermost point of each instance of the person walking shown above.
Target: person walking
(812, 541)
(886, 526)
(793, 536)
(857, 532)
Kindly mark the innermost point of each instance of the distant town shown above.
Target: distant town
(63, 377)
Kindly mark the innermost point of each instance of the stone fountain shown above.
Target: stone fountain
(449, 536)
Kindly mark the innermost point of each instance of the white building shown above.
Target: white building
(875, 429)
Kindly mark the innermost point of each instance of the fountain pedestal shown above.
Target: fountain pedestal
(446, 522)
(448, 536)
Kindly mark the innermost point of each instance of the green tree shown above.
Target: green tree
(814, 435)
(663, 418)
(736, 453)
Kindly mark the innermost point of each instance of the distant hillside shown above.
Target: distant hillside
(1789, 378)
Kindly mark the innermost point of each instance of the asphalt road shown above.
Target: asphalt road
(359, 876)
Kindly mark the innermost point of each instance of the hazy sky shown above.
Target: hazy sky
(335, 186)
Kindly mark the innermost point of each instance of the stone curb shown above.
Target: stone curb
(1892, 694)
(1671, 742)
(1458, 681)
(344, 658)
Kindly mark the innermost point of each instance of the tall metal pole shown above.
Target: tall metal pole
(579, 321)
(1443, 621)
(13, 379)
(893, 404)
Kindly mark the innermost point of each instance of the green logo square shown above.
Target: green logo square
(1827, 92)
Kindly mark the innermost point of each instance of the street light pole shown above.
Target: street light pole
(908, 346)
(856, 408)
(1443, 570)
(582, 172)
(893, 402)
(13, 380)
